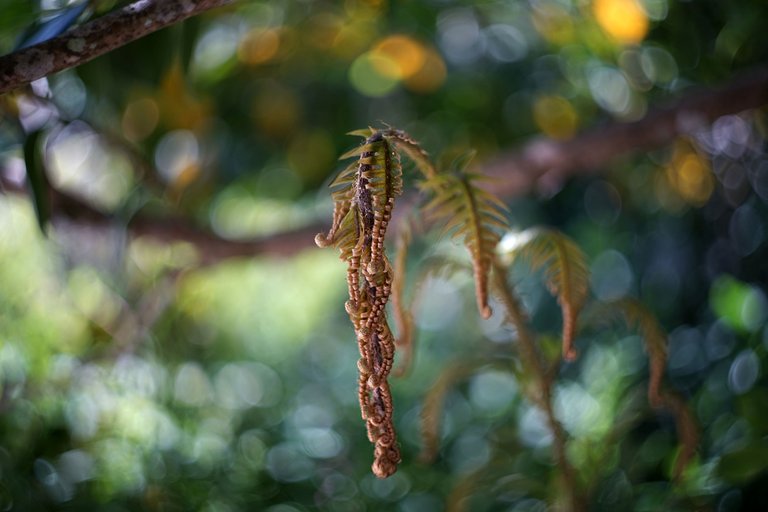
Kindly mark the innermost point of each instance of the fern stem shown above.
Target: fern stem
(478, 254)
(569, 322)
(532, 359)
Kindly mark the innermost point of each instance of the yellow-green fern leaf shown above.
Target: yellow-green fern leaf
(343, 191)
(473, 214)
(363, 132)
(565, 272)
(403, 142)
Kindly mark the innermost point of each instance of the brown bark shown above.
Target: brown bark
(518, 171)
(96, 37)
(548, 162)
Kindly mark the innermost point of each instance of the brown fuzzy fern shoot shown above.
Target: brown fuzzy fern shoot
(364, 197)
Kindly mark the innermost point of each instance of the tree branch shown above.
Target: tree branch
(97, 37)
(518, 171)
(547, 162)
(68, 210)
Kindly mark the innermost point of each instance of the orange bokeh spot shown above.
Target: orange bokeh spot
(624, 20)
(431, 75)
(407, 54)
(140, 119)
(688, 174)
(179, 107)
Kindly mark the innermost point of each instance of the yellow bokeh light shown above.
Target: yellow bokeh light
(186, 176)
(407, 54)
(688, 174)
(276, 110)
(355, 35)
(624, 20)
(555, 116)
(179, 108)
(140, 119)
(323, 29)
(554, 24)
(372, 74)
(259, 46)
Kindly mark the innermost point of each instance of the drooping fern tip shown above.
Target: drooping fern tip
(364, 195)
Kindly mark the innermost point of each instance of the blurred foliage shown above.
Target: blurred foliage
(132, 378)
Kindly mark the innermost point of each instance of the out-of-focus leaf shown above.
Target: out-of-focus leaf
(741, 466)
(36, 178)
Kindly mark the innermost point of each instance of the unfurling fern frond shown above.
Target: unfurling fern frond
(565, 272)
(473, 214)
(687, 430)
(638, 317)
(412, 150)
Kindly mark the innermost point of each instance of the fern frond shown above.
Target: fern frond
(364, 194)
(637, 317)
(687, 430)
(363, 132)
(347, 235)
(342, 195)
(472, 214)
(565, 273)
(412, 150)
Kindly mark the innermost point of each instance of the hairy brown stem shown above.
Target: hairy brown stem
(97, 37)
(544, 379)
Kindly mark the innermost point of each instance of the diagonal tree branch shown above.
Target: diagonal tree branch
(551, 161)
(518, 171)
(68, 211)
(97, 37)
